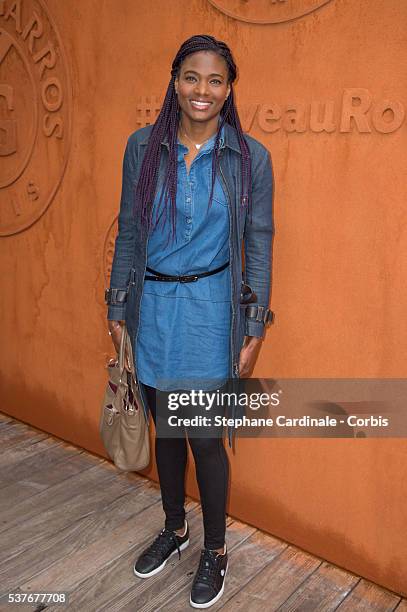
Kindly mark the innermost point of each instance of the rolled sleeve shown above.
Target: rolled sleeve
(116, 312)
(255, 328)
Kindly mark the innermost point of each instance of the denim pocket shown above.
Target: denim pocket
(219, 195)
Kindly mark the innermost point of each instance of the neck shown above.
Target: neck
(198, 131)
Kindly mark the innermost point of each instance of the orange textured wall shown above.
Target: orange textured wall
(322, 85)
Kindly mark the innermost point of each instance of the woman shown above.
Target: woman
(195, 189)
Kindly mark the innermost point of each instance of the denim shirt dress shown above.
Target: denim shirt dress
(183, 341)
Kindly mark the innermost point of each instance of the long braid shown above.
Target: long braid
(166, 124)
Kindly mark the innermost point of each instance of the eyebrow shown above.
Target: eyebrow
(211, 75)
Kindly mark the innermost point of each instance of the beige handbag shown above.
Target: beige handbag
(123, 426)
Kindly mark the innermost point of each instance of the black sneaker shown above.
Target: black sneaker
(209, 580)
(153, 559)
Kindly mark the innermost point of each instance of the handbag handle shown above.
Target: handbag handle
(125, 351)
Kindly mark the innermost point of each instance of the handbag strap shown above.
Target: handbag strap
(129, 350)
(122, 351)
(125, 351)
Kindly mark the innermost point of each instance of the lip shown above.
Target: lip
(198, 106)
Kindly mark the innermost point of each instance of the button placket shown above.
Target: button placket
(188, 211)
(190, 184)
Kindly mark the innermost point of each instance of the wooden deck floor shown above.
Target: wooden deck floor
(70, 522)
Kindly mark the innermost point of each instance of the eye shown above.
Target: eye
(189, 77)
(216, 81)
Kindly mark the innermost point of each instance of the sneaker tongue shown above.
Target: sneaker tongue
(214, 553)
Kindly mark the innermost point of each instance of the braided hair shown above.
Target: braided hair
(167, 124)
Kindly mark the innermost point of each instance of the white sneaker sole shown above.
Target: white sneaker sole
(215, 599)
(160, 567)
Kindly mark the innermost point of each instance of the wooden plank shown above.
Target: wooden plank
(369, 597)
(43, 460)
(322, 591)
(19, 453)
(59, 506)
(85, 475)
(85, 541)
(72, 569)
(272, 585)
(11, 423)
(114, 584)
(79, 526)
(17, 433)
(123, 591)
(4, 419)
(16, 426)
(248, 553)
(43, 479)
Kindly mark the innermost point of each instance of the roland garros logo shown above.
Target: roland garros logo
(267, 11)
(35, 105)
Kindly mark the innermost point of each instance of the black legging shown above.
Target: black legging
(212, 474)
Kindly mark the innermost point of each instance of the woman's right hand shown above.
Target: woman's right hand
(115, 331)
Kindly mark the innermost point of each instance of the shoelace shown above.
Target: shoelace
(207, 566)
(162, 542)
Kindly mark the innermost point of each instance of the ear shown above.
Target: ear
(176, 85)
(228, 91)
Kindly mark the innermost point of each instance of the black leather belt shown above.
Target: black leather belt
(185, 278)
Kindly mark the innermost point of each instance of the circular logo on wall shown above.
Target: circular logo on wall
(35, 113)
(267, 11)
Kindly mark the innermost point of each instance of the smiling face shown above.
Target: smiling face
(202, 86)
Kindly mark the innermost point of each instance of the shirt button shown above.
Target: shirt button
(188, 220)
(188, 199)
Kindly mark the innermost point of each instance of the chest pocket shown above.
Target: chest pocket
(219, 195)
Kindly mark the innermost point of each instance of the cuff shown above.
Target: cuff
(254, 328)
(116, 312)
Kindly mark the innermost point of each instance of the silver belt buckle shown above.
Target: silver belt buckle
(188, 278)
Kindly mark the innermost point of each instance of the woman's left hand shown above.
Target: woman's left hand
(248, 355)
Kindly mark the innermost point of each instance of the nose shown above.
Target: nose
(201, 88)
